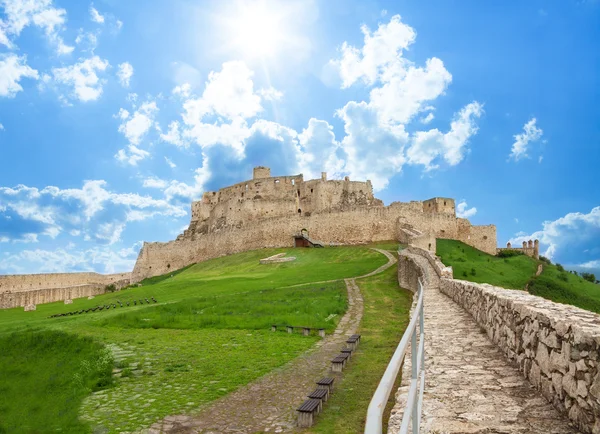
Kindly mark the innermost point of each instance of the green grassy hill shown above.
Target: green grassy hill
(518, 272)
(208, 335)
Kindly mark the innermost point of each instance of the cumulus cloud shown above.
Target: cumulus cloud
(93, 210)
(270, 94)
(39, 13)
(12, 69)
(427, 119)
(463, 211)
(568, 238)
(95, 15)
(124, 73)
(101, 259)
(134, 128)
(183, 90)
(82, 78)
(426, 146)
(531, 133)
(173, 135)
(170, 163)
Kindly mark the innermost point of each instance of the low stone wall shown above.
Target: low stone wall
(556, 346)
(11, 299)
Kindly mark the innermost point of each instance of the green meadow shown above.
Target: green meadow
(208, 335)
(518, 272)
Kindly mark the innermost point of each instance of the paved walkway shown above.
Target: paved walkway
(470, 386)
(269, 404)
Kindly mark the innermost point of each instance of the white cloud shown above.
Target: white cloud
(99, 259)
(173, 136)
(95, 15)
(136, 126)
(155, 183)
(319, 148)
(427, 119)
(125, 73)
(426, 146)
(270, 94)
(1, 129)
(12, 69)
(82, 77)
(463, 212)
(531, 133)
(170, 163)
(381, 50)
(40, 13)
(78, 211)
(132, 155)
(567, 237)
(123, 114)
(183, 90)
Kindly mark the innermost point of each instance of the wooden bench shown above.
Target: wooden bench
(307, 412)
(338, 363)
(352, 343)
(326, 383)
(347, 351)
(322, 333)
(322, 394)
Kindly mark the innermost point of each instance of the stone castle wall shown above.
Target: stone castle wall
(556, 346)
(25, 289)
(530, 248)
(360, 225)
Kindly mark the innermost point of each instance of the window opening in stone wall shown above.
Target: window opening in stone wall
(429, 246)
(311, 190)
(242, 194)
(485, 237)
(246, 187)
(444, 203)
(277, 181)
(293, 182)
(299, 211)
(298, 192)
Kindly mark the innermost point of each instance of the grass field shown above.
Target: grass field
(385, 317)
(207, 336)
(45, 376)
(518, 272)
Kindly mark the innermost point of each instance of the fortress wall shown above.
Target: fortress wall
(358, 226)
(38, 296)
(556, 346)
(30, 282)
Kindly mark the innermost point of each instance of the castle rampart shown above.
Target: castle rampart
(267, 211)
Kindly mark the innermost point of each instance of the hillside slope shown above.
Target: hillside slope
(518, 272)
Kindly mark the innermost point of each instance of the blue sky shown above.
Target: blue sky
(115, 115)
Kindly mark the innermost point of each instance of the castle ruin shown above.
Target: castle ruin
(268, 211)
(530, 248)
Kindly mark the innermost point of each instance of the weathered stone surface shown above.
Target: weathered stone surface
(470, 386)
(68, 301)
(29, 307)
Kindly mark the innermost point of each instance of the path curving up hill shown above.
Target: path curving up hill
(269, 403)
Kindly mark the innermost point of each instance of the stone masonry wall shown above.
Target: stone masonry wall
(556, 346)
(23, 289)
(359, 225)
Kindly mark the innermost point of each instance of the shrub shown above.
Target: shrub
(590, 277)
(464, 274)
(560, 268)
(473, 272)
(546, 260)
(563, 277)
(509, 253)
(110, 288)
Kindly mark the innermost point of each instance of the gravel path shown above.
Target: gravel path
(269, 404)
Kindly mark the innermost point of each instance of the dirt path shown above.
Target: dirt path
(470, 386)
(269, 404)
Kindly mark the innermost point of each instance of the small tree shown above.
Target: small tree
(560, 268)
(590, 277)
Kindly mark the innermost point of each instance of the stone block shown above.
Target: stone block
(542, 358)
(558, 362)
(570, 385)
(68, 301)
(29, 307)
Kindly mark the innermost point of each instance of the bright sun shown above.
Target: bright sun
(255, 28)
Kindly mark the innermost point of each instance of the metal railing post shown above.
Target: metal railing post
(412, 410)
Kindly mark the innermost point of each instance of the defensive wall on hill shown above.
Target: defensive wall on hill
(555, 346)
(24, 289)
(267, 211)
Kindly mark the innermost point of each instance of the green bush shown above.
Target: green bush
(509, 253)
(546, 260)
(560, 268)
(110, 288)
(473, 272)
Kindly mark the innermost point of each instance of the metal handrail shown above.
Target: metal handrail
(412, 411)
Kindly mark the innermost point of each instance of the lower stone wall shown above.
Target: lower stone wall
(556, 346)
(38, 296)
